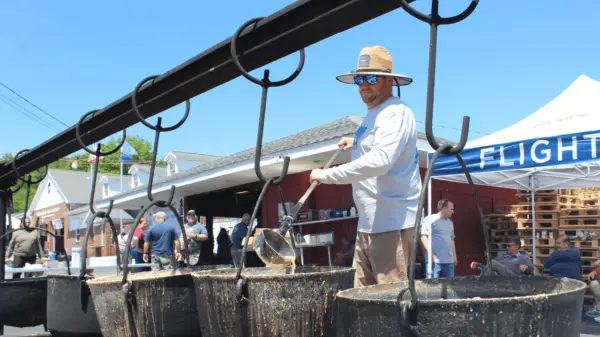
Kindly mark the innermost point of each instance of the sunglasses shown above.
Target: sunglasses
(360, 79)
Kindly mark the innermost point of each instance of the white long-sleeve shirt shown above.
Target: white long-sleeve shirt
(384, 171)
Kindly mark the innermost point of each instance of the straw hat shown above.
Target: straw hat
(375, 61)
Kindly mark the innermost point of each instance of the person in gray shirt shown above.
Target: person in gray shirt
(511, 263)
(440, 230)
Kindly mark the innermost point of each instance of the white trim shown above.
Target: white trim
(245, 166)
(230, 169)
(44, 183)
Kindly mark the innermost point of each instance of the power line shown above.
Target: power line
(28, 114)
(33, 115)
(457, 129)
(26, 100)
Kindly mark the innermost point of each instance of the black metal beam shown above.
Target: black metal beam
(297, 26)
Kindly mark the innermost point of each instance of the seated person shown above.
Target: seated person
(511, 263)
(565, 261)
(595, 288)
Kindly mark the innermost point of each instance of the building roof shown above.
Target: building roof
(158, 171)
(75, 185)
(345, 126)
(189, 156)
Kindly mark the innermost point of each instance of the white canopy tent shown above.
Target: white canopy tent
(553, 148)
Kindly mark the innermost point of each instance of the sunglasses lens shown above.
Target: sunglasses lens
(371, 79)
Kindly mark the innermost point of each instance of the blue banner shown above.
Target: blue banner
(126, 152)
(539, 152)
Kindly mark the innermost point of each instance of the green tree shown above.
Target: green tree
(109, 164)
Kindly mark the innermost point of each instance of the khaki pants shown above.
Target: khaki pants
(382, 258)
(595, 287)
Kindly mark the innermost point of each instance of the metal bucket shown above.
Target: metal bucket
(465, 306)
(163, 304)
(70, 308)
(23, 302)
(279, 303)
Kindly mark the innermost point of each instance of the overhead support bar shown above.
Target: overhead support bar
(296, 26)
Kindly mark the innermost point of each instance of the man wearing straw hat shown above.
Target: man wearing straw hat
(384, 172)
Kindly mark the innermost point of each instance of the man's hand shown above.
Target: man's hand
(474, 265)
(315, 176)
(177, 256)
(591, 275)
(455, 261)
(346, 143)
(145, 258)
(523, 267)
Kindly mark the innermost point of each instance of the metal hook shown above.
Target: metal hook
(88, 234)
(158, 203)
(97, 154)
(265, 83)
(21, 177)
(27, 181)
(434, 20)
(158, 128)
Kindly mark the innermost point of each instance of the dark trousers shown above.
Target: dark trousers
(19, 262)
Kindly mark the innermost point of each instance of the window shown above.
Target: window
(172, 167)
(134, 180)
(105, 189)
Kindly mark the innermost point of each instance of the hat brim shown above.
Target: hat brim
(400, 80)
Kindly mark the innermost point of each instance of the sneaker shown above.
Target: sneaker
(593, 313)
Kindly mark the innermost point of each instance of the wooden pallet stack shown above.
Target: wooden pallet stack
(580, 220)
(503, 227)
(546, 209)
(573, 212)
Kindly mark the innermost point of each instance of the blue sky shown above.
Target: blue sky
(498, 66)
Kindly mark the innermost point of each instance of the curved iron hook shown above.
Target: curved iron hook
(29, 182)
(97, 152)
(21, 177)
(265, 83)
(143, 212)
(158, 128)
(417, 232)
(18, 188)
(241, 290)
(84, 291)
(88, 234)
(434, 20)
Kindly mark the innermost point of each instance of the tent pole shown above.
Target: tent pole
(429, 242)
(532, 188)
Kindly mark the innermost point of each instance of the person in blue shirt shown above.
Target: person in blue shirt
(237, 236)
(564, 261)
(162, 239)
